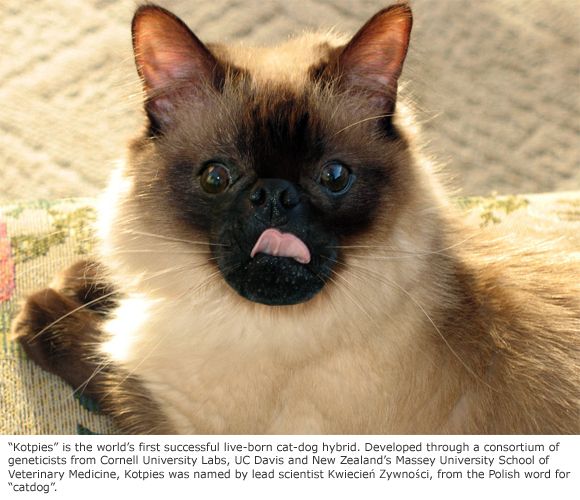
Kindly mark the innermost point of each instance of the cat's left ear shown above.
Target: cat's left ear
(171, 61)
(373, 60)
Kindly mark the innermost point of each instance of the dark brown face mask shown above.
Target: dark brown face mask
(276, 200)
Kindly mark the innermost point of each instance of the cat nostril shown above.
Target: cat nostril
(289, 198)
(258, 196)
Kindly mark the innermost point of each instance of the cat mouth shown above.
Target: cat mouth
(278, 244)
(275, 267)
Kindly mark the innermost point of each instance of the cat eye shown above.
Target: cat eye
(335, 177)
(215, 178)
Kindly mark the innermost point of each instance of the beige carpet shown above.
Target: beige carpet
(497, 82)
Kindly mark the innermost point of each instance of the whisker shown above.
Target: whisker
(377, 117)
(340, 263)
(97, 370)
(76, 309)
(107, 363)
(407, 252)
(205, 282)
(329, 297)
(109, 294)
(385, 257)
(171, 238)
(164, 252)
(373, 275)
(347, 293)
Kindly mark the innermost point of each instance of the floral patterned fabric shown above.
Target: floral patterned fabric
(39, 239)
(36, 241)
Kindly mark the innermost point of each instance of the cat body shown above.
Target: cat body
(294, 294)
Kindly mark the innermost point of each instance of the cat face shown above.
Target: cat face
(275, 168)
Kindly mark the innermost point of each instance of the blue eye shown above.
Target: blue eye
(335, 177)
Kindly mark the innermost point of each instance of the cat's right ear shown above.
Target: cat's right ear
(171, 61)
(372, 61)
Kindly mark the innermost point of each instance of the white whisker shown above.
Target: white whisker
(348, 294)
(377, 117)
(171, 238)
(205, 282)
(164, 252)
(76, 309)
(373, 275)
(406, 252)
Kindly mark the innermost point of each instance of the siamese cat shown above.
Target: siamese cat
(276, 257)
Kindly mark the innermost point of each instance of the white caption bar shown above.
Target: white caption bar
(285, 466)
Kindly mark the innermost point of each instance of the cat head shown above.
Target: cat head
(266, 163)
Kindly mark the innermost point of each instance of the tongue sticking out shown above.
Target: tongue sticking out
(273, 242)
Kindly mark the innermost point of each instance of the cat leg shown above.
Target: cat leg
(59, 329)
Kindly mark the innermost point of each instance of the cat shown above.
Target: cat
(277, 257)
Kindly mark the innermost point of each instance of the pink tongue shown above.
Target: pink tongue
(273, 242)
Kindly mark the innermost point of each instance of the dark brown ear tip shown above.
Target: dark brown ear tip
(145, 9)
(152, 10)
(402, 9)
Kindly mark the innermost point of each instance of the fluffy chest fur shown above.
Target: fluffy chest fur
(216, 363)
(240, 374)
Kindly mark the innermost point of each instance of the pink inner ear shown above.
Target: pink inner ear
(161, 67)
(167, 52)
(374, 58)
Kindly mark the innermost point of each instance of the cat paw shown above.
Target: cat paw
(55, 331)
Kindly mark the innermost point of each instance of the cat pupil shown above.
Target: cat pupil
(335, 177)
(215, 178)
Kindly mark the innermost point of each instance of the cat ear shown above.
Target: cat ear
(372, 61)
(170, 60)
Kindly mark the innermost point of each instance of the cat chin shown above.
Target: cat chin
(275, 281)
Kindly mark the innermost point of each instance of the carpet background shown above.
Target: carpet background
(497, 84)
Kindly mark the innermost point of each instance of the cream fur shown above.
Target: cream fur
(364, 356)
(218, 363)
(287, 62)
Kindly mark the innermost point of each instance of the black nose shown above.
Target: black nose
(274, 199)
